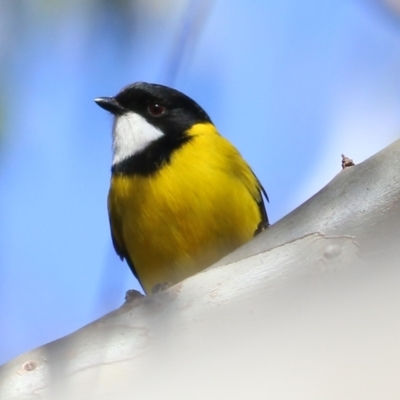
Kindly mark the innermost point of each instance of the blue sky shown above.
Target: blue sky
(292, 84)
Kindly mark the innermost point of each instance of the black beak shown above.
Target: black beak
(110, 104)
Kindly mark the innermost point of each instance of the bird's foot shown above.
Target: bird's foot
(160, 287)
(131, 295)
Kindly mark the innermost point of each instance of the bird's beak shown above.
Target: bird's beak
(110, 104)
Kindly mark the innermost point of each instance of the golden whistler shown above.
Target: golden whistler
(181, 195)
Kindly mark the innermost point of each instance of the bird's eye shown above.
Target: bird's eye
(156, 110)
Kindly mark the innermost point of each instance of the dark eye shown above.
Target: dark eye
(156, 110)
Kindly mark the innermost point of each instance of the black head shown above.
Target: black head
(151, 122)
(167, 109)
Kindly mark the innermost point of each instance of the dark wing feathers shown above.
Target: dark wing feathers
(120, 249)
(264, 223)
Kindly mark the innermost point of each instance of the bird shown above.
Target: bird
(181, 195)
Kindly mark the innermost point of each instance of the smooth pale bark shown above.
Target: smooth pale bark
(310, 309)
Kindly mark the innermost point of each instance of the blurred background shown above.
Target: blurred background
(292, 84)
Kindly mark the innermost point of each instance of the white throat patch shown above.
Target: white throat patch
(131, 134)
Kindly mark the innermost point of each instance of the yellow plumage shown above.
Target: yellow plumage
(199, 207)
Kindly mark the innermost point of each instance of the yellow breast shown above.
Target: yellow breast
(193, 211)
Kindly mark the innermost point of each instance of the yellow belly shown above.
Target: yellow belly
(191, 213)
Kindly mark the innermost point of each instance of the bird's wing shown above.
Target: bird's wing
(118, 243)
(264, 223)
